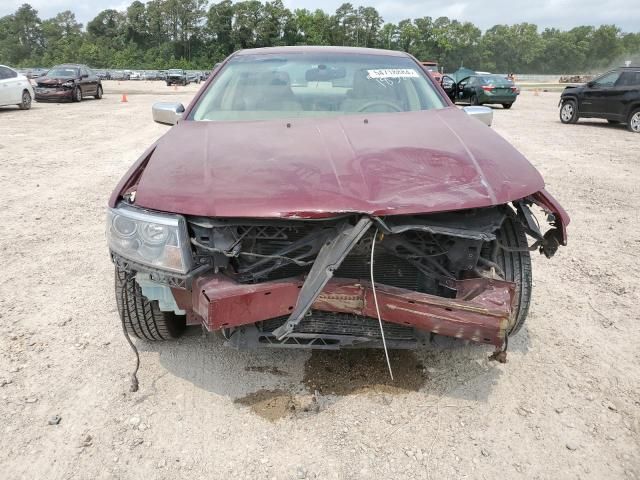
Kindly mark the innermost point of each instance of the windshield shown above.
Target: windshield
(265, 86)
(63, 72)
(175, 72)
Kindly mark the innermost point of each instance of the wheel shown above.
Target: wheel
(569, 112)
(474, 100)
(98, 95)
(25, 104)
(77, 94)
(168, 84)
(507, 106)
(142, 318)
(633, 124)
(613, 122)
(516, 267)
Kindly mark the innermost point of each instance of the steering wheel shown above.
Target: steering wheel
(380, 102)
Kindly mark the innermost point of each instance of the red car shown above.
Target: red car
(68, 82)
(318, 196)
(434, 69)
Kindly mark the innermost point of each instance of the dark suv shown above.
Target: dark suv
(614, 96)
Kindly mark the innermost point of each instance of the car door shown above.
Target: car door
(597, 95)
(463, 89)
(11, 87)
(4, 86)
(625, 91)
(85, 82)
(92, 81)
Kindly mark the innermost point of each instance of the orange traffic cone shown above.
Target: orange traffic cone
(124, 98)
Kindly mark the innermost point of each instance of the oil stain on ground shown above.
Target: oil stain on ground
(343, 372)
(273, 405)
(346, 372)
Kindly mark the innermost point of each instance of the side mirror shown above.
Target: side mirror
(591, 84)
(484, 114)
(167, 113)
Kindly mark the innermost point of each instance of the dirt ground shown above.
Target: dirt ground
(565, 406)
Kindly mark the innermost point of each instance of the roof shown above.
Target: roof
(321, 49)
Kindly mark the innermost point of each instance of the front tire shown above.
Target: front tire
(143, 318)
(474, 100)
(77, 94)
(569, 112)
(98, 95)
(25, 104)
(507, 106)
(633, 124)
(516, 267)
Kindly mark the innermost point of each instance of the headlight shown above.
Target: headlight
(154, 239)
(70, 83)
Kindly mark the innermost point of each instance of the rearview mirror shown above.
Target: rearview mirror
(167, 113)
(484, 114)
(324, 73)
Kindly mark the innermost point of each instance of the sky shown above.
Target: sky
(563, 14)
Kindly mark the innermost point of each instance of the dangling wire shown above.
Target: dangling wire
(134, 375)
(375, 300)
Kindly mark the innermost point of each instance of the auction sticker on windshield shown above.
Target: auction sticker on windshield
(393, 73)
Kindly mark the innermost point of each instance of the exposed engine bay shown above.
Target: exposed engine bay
(307, 283)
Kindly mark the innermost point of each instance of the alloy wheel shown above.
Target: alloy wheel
(567, 112)
(26, 100)
(634, 123)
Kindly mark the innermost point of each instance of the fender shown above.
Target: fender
(550, 205)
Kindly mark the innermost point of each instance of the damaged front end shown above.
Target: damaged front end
(308, 283)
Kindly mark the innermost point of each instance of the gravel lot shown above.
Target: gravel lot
(565, 406)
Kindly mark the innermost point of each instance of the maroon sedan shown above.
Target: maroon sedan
(68, 82)
(325, 197)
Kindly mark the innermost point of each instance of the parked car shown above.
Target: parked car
(135, 76)
(103, 74)
(68, 82)
(194, 77)
(614, 96)
(177, 76)
(309, 193)
(433, 68)
(37, 72)
(486, 89)
(150, 75)
(15, 89)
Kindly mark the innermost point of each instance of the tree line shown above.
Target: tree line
(195, 34)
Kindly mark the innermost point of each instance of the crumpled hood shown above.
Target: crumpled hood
(53, 81)
(382, 164)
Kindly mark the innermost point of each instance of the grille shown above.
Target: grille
(342, 324)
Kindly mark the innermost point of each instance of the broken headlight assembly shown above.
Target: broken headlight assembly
(157, 240)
